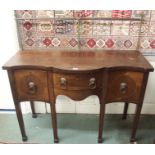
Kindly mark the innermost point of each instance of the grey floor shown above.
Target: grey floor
(76, 129)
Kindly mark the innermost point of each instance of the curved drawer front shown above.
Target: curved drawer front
(31, 85)
(124, 86)
(74, 81)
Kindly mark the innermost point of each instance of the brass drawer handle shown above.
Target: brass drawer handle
(32, 87)
(63, 83)
(123, 87)
(92, 83)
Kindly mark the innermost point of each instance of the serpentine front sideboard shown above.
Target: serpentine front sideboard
(114, 76)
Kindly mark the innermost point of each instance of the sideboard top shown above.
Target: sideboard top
(78, 60)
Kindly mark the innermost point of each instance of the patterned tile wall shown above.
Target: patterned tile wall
(62, 29)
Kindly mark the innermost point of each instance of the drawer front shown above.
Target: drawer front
(31, 85)
(124, 86)
(77, 81)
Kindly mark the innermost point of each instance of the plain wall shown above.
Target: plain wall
(8, 47)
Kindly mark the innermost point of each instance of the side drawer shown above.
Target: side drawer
(31, 85)
(124, 86)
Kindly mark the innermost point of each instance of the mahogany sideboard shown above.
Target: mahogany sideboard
(114, 76)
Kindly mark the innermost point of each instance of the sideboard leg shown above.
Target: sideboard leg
(124, 116)
(135, 123)
(20, 121)
(101, 122)
(138, 109)
(17, 105)
(34, 115)
(54, 122)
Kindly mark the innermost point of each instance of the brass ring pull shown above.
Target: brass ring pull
(123, 87)
(63, 83)
(32, 87)
(92, 83)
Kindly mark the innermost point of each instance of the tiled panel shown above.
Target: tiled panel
(83, 28)
(152, 43)
(101, 27)
(103, 14)
(120, 28)
(152, 15)
(121, 13)
(42, 29)
(44, 14)
(25, 13)
(140, 13)
(135, 28)
(145, 43)
(63, 13)
(84, 13)
(64, 27)
(152, 28)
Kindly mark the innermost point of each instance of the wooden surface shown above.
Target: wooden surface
(81, 61)
(114, 76)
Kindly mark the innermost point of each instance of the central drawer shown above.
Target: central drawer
(75, 81)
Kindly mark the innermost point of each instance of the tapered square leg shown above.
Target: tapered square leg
(20, 121)
(34, 115)
(135, 123)
(101, 122)
(24, 138)
(54, 122)
(124, 116)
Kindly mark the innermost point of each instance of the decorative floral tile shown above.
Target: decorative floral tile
(91, 43)
(44, 13)
(144, 43)
(24, 13)
(83, 28)
(101, 27)
(45, 28)
(125, 43)
(28, 43)
(84, 13)
(152, 28)
(152, 15)
(119, 43)
(55, 42)
(141, 13)
(152, 43)
(120, 28)
(130, 43)
(83, 42)
(100, 43)
(73, 42)
(27, 33)
(103, 14)
(63, 14)
(135, 28)
(121, 13)
(110, 43)
(64, 27)
(69, 43)
(64, 42)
